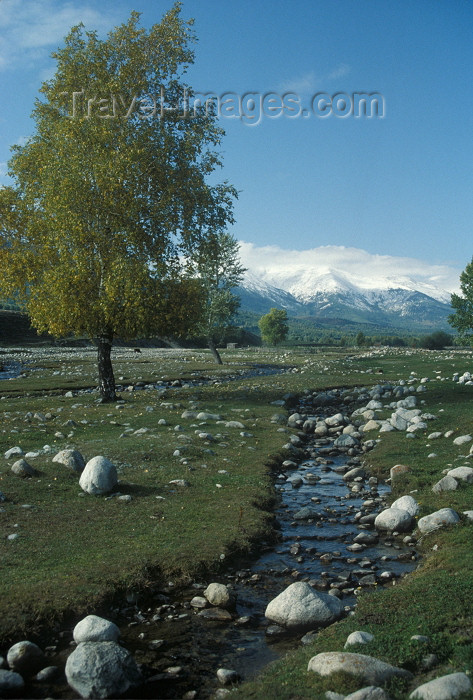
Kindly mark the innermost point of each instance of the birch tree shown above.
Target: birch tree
(216, 265)
(462, 304)
(111, 190)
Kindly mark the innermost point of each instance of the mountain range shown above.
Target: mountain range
(395, 301)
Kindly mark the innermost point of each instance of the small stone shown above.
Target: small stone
(199, 602)
(227, 676)
(462, 439)
(448, 483)
(47, 674)
(23, 469)
(429, 662)
(398, 470)
(155, 644)
(358, 638)
(219, 595)
(372, 692)
(72, 459)
(13, 452)
(11, 683)
(275, 631)
(217, 614)
(25, 658)
(309, 637)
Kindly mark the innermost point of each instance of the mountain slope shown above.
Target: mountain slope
(394, 302)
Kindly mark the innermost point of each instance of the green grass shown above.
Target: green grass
(74, 551)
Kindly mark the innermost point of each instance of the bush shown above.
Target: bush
(435, 341)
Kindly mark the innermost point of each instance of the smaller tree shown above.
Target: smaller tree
(360, 339)
(462, 318)
(273, 326)
(216, 264)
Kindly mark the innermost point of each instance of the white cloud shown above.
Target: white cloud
(3, 169)
(42, 24)
(310, 82)
(284, 268)
(302, 85)
(340, 72)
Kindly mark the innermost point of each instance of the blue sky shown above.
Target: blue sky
(400, 185)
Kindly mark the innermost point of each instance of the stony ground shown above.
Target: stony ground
(156, 441)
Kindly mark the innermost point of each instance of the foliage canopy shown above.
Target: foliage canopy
(273, 326)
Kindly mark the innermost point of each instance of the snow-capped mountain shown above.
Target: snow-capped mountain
(384, 290)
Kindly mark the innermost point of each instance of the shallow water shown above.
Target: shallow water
(10, 369)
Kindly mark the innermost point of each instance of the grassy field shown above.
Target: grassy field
(73, 551)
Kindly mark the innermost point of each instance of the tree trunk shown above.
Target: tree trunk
(214, 351)
(106, 378)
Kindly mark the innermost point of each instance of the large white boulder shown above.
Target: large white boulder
(95, 629)
(302, 607)
(394, 519)
(101, 670)
(441, 518)
(444, 688)
(99, 476)
(407, 503)
(367, 668)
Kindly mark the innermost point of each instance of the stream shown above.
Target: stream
(10, 369)
(336, 549)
